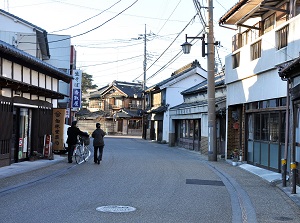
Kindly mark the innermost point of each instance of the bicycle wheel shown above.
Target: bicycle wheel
(85, 153)
(78, 154)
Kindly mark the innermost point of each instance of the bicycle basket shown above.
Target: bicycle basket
(86, 140)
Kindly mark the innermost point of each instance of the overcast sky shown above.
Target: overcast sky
(112, 48)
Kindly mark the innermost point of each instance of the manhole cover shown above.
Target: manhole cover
(115, 209)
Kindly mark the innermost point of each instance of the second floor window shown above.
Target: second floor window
(236, 60)
(269, 23)
(118, 103)
(156, 99)
(282, 37)
(256, 50)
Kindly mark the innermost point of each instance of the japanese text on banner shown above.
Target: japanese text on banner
(76, 86)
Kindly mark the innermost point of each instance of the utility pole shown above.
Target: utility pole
(212, 147)
(211, 110)
(145, 58)
(144, 123)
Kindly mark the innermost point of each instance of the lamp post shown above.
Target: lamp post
(212, 148)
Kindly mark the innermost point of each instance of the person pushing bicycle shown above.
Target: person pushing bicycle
(73, 133)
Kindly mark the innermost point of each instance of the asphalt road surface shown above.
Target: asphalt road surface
(140, 181)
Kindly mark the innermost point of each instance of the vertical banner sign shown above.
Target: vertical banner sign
(76, 86)
(47, 140)
(58, 123)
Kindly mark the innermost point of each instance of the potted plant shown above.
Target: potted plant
(235, 157)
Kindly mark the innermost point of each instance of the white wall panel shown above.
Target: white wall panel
(7, 65)
(55, 84)
(26, 75)
(17, 72)
(48, 83)
(34, 78)
(42, 80)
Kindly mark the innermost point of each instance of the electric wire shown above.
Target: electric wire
(167, 47)
(168, 17)
(87, 19)
(99, 25)
(116, 61)
(172, 60)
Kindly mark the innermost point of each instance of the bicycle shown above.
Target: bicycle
(81, 151)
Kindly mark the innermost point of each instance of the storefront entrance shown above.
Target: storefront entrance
(22, 119)
(266, 133)
(188, 133)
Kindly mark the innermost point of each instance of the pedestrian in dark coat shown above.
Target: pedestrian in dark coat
(98, 143)
(72, 140)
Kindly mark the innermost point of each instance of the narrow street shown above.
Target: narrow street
(142, 181)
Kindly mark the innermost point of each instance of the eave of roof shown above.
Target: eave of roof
(292, 69)
(9, 52)
(245, 9)
(201, 103)
(159, 109)
(28, 88)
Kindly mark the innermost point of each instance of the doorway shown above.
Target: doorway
(22, 133)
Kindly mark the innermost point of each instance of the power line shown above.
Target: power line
(87, 19)
(116, 61)
(97, 26)
(168, 46)
(170, 61)
(169, 17)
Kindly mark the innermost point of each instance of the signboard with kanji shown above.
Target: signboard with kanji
(76, 89)
(58, 121)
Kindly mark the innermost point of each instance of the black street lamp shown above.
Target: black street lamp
(186, 47)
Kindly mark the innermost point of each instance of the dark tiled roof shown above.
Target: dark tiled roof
(159, 109)
(202, 87)
(9, 52)
(129, 88)
(126, 113)
(290, 69)
(97, 94)
(126, 87)
(198, 103)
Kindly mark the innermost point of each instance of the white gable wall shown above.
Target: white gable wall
(174, 97)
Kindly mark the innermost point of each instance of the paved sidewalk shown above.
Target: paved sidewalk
(272, 178)
(27, 166)
(269, 176)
